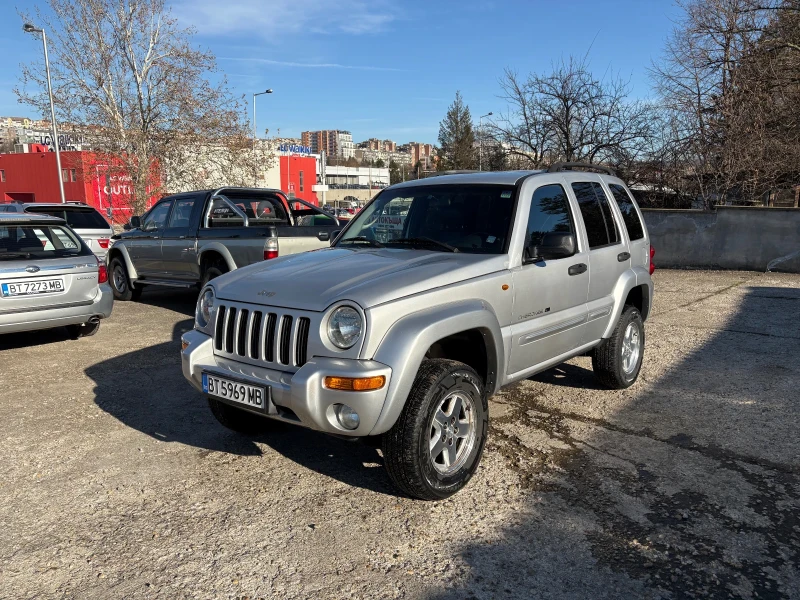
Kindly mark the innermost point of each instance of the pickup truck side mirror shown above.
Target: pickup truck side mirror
(553, 245)
(135, 223)
(334, 234)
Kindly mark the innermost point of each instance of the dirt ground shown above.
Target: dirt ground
(116, 482)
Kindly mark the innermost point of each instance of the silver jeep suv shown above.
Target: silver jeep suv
(437, 294)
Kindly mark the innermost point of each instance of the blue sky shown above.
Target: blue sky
(389, 69)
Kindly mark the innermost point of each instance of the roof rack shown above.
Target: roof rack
(452, 172)
(568, 166)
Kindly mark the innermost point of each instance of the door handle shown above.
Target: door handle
(578, 269)
(323, 236)
(623, 256)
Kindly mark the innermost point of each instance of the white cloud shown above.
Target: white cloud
(306, 65)
(279, 18)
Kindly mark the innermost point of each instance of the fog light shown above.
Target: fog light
(347, 417)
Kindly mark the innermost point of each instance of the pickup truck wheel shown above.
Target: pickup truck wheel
(618, 360)
(121, 283)
(435, 446)
(212, 272)
(237, 419)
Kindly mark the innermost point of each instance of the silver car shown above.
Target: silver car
(83, 219)
(49, 277)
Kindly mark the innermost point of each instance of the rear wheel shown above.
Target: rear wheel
(213, 271)
(436, 444)
(237, 419)
(121, 283)
(618, 360)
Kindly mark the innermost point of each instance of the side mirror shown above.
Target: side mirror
(135, 222)
(334, 234)
(127, 226)
(554, 245)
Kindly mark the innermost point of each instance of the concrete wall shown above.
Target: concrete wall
(754, 239)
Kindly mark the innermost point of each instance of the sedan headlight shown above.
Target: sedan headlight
(344, 327)
(206, 308)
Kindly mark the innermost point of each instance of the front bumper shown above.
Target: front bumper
(48, 318)
(299, 397)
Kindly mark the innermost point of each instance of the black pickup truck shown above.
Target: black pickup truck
(187, 239)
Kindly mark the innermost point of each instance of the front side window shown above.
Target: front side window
(39, 241)
(629, 215)
(156, 218)
(596, 212)
(468, 218)
(549, 214)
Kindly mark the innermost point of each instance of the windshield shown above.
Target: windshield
(77, 218)
(39, 241)
(456, 218)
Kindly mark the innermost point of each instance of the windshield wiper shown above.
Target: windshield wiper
(362, 238)
(425, 241)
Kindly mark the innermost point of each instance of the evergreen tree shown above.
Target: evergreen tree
(456, 138)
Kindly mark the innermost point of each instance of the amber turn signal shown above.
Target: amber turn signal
(355, 384)
(184, 345)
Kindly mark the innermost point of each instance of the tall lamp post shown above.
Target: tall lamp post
(28, 28)
(255, 163)
(480, 140)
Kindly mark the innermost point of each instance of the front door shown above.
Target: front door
(549, 315)
(146, 253)
(609, 254)
(178, 248)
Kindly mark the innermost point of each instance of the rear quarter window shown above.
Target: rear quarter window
(630, 216)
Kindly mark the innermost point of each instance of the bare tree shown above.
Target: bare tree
(128, 73)
(569, 114)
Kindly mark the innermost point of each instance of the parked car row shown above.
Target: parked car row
(396, 329)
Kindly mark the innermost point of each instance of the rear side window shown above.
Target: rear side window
(549, 214)
(596, 212)
(628, 210)
(181, 213)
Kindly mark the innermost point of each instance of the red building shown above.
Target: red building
(299, 176)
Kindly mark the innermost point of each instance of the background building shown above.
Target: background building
(376, 144)
(332, 142)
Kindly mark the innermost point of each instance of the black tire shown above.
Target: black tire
(406, 452)
(607, 358)
(121, 283)
(213, 271)
(84, 330)
(237, 419)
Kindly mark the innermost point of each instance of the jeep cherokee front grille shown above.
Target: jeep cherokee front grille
(271, 337)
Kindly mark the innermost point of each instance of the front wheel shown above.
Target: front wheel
(617, 360)
(121, 283)
(436, 444)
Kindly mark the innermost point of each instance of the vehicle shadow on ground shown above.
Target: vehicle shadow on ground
(145, 389)
(690, 490)
(569, 375)
(27, 339)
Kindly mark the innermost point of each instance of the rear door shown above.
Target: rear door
(609, 254)
(43, 266)
(178, 247)
(632, 218)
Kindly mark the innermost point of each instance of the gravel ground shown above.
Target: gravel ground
(116, 482)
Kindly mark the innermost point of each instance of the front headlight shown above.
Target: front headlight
(344, 327)
(206, 308)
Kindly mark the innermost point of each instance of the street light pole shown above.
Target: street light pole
(480, 140)
(255, 162)
(28, 28)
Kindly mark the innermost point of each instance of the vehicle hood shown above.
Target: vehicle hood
(315, 280)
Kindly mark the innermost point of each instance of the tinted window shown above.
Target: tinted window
(182, 213)
(596, 212)
(39, 241)
(628, 210)
(549, 214)
(473, 218)
(81, 218)
(156, 218)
